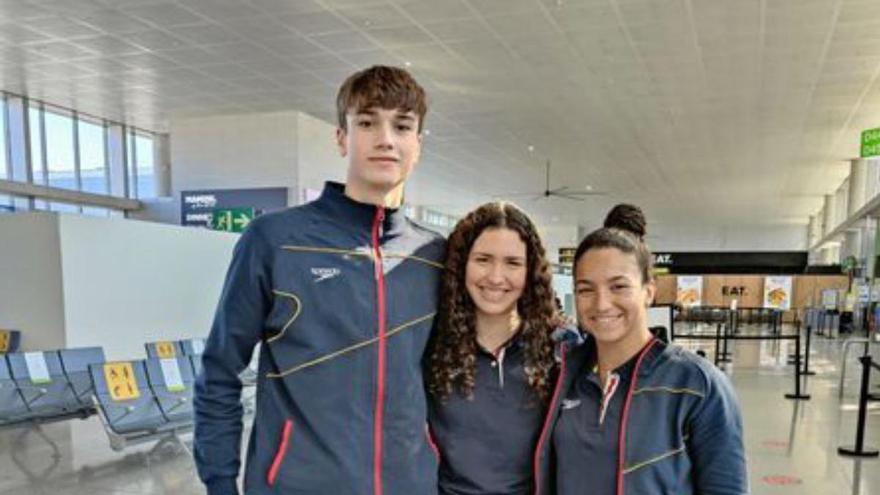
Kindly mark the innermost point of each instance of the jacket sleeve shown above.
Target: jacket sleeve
(237, 328)
(716, 443)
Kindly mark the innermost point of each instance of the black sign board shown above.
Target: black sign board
(196, 206)
(733, 262)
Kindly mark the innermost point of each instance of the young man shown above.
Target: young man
(341, 292)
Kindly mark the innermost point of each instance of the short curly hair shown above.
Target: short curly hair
(453, 350)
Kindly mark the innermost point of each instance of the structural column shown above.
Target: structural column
(858, 175)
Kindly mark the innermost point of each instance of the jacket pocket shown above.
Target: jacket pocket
(431, 443)
(280, 452)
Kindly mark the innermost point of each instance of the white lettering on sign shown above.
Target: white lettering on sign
(201, 200)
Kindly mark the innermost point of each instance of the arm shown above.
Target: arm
(716, 444)
(238, 326)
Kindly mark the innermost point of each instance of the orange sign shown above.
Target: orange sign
(4, 340)
(121, 382)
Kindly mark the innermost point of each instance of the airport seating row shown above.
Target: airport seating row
(137, 400)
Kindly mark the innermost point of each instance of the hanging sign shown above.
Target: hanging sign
(870, 143)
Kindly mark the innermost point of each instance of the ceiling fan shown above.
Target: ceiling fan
(563, 192)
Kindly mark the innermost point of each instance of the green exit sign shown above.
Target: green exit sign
(871, 143)
(231, 219)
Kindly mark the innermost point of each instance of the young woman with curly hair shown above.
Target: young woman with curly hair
(491, 358)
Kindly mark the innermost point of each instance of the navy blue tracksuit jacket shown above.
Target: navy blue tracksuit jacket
(342, 296)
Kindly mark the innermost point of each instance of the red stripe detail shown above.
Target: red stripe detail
(621, 437)
(550, 410)
(279, 455)
(432, 443)
(380, 372)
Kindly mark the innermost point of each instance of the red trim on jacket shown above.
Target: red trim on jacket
(380, 371)
(621, 436)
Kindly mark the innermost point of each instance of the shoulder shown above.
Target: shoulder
(271, 227)
(425, 233)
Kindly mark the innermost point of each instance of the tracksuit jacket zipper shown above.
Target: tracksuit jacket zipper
(380, 372)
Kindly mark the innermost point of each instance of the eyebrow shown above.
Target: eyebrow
(481, 253)
(617, 278)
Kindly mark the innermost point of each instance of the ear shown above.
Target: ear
(650, 292)
(341, 141)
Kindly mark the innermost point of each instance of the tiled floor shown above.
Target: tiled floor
(791, 445)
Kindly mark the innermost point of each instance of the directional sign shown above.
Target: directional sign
(870, 143)
(121, 382)
(231, 219)
(4, 340)
(165, 350)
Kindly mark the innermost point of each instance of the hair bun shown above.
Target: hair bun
(627, 217)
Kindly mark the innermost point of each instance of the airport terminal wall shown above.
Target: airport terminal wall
(71, 281)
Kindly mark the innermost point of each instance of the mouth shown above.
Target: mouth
(383, 159)
(606, 319)
(493, 294)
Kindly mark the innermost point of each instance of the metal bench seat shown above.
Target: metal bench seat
(42, 383)
(172, 381)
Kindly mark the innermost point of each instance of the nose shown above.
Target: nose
(602, 300)
(496, 273)
(384, 136)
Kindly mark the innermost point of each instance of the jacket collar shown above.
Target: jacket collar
(335, 203)
(582, 356)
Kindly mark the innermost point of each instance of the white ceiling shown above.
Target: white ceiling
(730, 112)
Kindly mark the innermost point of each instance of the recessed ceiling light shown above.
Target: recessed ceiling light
(426, 132)
(408, 64)
(531, 148)
(588, 187)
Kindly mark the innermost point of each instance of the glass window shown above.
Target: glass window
(60, 164)
(64, 207)
(93, 211)
(4, 152)
(38, 161)
(140, 165)
(92, 158)
(145, 166)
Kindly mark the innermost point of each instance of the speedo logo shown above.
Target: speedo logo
(570, 403)
(322, 274)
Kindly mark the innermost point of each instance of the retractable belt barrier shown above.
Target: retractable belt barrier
(859, 449)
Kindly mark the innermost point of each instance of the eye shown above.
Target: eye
(365, 124)
(404, 127)
(619, 287)
(585, 290)
(515, 263)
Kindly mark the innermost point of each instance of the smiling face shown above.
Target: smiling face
(612, 299)
(382, 147)
(496, 270)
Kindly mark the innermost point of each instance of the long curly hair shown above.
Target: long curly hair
(453, 350)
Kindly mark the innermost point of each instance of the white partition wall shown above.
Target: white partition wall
(31, 296)
(110, 282)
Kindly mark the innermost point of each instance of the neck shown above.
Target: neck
(612, 355)
(381, 197)
(494, 330)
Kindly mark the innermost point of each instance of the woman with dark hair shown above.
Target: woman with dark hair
(491, 357)
(634, 415)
